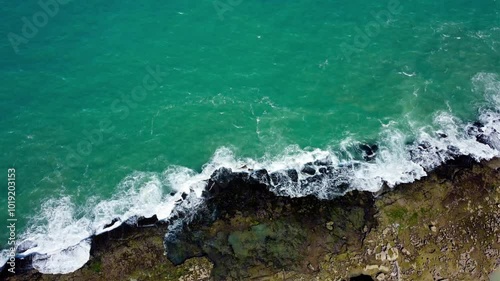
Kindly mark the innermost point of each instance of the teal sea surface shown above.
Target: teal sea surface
(108, 107)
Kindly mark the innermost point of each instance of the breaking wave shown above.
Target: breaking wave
(59, 240)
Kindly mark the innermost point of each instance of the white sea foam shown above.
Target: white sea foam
(63, 261)
(392, 165)
(59, 238)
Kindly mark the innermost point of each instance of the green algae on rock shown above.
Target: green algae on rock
(445, 226)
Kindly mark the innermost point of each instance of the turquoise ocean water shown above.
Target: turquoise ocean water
(108, 106)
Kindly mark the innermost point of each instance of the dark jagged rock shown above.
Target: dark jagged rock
(424, 145)
(284, 177)
(113, 221)
(184, 195)
(22, 266)
(316, 179)
(323, 170)
(482, 139)
(361, 277)
(369, 151)
(141, 221)
(478, 124)
(282, 227)
(475, 128)
(323, 162)
(309, 169)
(453, 150)
(221, 178)
(293, 175)
(24, 246)
(349, 165)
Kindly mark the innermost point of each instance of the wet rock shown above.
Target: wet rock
(283, 181)
(329, 225)
(227, 233)
(433, 228)
(349, 166)
(406, 252)
(452, 167)
(23, 268)
(335, 179)
(369, 151)
(453, 150)
(383, 268)
(179, 250)
(323, 162)
(141, 221)
(478, 124)
(424, 145)
(392, 254)
(316, 179)
(371, 267)
(24, 246)
(144, 222)
(111, 223)
(361, 277)
(309, 169)
(276, 178)
(260, 176)
(481, 138)
(249, 232)
(293, 175)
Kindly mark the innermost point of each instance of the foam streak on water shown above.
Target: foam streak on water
(60, 237)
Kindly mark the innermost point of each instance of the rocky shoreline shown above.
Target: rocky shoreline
(443, 227)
